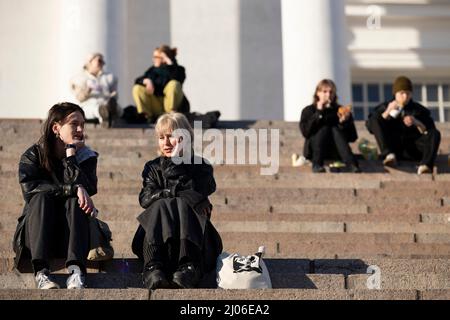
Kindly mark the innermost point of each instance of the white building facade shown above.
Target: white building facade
(250, 59)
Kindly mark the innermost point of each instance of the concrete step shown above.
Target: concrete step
(285, 174)
(329, 227)
(87, 294)
(321, 266)
(122, 157)
(131, 210)
(305, 274)
(115, 182)
(319, 250)
(284, 294)
(273, 241)
(132, 188)
(282, 280)
(222, 214)
(142, 143)
(217, 295)
(298, 200)
(246, 227)
(12, 125)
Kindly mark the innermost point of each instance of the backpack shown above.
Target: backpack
(131, 116)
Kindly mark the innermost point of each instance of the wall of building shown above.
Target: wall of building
(28, 58)
(232, 50)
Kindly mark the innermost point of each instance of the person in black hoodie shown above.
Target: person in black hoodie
(405, 129)
(175, 238)
(58, 178)
(328, 128)
(159, 89)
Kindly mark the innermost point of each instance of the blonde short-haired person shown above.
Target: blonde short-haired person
(159, 89)
(175, 238)
(96, 91)
(404, 129)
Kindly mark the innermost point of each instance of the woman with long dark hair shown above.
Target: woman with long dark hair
(58, 178)
(328, 128)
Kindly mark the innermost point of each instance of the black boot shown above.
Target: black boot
(154, 277)
(317, 168)
(187, 276)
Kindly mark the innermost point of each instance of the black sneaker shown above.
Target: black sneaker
(318, 169)
(187, 276)
(154, 278)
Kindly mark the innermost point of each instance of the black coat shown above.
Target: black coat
(414, 109)
(34, 179)
(175, 191)
(312, 120)
(160, 76)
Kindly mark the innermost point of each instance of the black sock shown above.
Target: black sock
(152, 254)
(39, 265)
(76, 263)
(189, 253)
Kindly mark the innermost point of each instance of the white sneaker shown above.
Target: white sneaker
(423, 169)
(298, 161)
(43, 280)
(390, 160)
(76, 279)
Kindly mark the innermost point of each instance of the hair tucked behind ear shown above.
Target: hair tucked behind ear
(47, 141)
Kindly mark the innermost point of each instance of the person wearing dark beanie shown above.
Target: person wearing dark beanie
(404, 129)
(402, 84)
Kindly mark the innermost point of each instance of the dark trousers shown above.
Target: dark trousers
(171, 254)
(390, 139)
(56, 228)
(327, 139)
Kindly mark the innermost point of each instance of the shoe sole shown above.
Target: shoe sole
(390, 163)
(162, 284)
(50, 287)
(428, 171)
(179, 285)
(75, 288)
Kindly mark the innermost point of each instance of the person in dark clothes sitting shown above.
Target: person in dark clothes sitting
(175, 238)
(58, 178)
(328, 128)
(405, 129)
(159, 89)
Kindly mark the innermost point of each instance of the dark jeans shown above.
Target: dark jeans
(325, 140)
(390, 139)
(56, 228)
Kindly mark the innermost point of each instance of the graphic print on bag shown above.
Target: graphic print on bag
(246, 264)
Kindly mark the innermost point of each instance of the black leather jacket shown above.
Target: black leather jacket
(163, 179)
(33, 178)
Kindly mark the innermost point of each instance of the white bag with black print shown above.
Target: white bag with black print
(243, 272)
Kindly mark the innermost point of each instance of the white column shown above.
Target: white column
(88, 26)
(314, 48)
(206, 34)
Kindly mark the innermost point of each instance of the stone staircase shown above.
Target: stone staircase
(322, 232)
